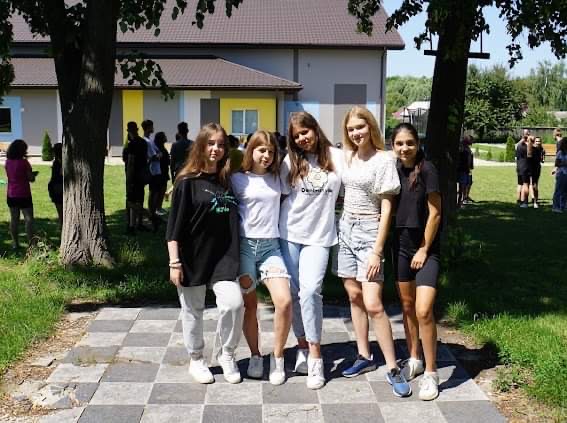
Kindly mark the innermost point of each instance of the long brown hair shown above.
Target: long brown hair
(419, 158)
(261, 138)
(197, 162)
(376, 137)
(299, 163)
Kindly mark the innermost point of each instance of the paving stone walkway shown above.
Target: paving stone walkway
(131, 366)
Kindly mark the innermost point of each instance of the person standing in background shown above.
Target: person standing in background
(180, 149)
(55, 185)
(137, 175)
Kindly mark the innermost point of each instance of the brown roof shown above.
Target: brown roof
(307, 23)
(195, 73)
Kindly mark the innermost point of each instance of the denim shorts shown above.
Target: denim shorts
(261, 257)
(357, 235)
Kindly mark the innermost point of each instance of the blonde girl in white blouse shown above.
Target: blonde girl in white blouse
(370, 181)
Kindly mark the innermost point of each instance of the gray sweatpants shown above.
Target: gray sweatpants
(231, 315)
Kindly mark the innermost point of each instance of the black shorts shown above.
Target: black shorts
(135, 193)
(536, 172)
(158, 182)
(524, 178)
(406, 244)
(20, 202)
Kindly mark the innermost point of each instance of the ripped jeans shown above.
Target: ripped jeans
(260, 259)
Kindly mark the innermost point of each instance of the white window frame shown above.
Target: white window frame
(244, 111)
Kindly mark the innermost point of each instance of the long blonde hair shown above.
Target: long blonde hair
(197, 162)
(376, 137)
(299, 163)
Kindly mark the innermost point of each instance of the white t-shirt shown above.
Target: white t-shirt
(308, 212)
(366, 181)
(258, 204)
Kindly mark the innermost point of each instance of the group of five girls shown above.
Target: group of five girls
(274, 223)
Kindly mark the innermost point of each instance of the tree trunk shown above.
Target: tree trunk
(447, 105)
(86, 100)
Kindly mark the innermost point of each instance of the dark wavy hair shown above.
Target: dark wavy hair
(299, 163)
(419, 159)
(18, 149)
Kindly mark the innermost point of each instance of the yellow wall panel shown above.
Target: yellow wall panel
(132, 108)
(266, 111)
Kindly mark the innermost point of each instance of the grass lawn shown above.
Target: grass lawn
(503, 281)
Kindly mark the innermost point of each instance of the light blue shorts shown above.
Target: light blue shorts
(261, 259)
(357, 236)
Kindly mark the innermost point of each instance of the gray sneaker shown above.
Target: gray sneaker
(400, 387)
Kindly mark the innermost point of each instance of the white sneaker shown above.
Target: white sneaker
(315, 375)
(429, 386)
(277, 370)
(301, 361)
(255, 367)
(199, 370)
(229, 368)
(412, 368)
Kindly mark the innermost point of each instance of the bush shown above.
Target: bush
(476, 152)
(489, 154)
(501, 157)
(46, 148)
(510, 149)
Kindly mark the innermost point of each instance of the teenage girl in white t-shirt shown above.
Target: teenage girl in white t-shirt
(257, 188)
(311, 179)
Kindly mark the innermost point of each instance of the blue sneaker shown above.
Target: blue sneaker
(400, 387)
(361, 365)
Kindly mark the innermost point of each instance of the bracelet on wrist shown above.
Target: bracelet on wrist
(175, 261)
(175, 266)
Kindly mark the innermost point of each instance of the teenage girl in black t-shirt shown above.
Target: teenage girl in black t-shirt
(203, 245)
(416, 254)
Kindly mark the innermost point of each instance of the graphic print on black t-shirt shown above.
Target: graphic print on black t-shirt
(221, 201)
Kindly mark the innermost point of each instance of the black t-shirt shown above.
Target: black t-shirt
(137, 148)
(204, 221)
(412, 210)
(465, 161)
(537, 157)
(522, 163)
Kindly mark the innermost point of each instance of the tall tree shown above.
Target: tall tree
(83, 45)
(457, 23)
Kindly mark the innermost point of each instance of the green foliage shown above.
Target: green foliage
(489, 154)
(476, 151)
(403, 90)
(502, 157)
(547, 86)
(510, 149)
(492, 100)
(46, 148)
(538, 116)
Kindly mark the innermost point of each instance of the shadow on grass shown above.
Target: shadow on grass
(506, 260)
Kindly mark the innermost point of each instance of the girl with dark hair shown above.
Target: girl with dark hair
(535, 161)
(19, 198)
(257, 188)
(55, 185)
(416, 255)
(371, 181)
(560, 193)
(160, 181)
(311, 180)
(203, 245)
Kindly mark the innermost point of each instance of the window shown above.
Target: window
(5, 120)
(244, 121)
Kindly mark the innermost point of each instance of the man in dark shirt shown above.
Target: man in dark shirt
(180, 149)
(135, 157)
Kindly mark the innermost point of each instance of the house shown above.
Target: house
(249, 71)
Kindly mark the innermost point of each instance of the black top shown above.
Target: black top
(522, 163)
(179, 153)
(204, 221)
(164, 163)
(465, 164)
(412, 210)
(537, 157)
(55, 185)
(137, 148)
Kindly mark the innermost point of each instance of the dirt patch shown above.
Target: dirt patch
(37, 363)
(481, 363)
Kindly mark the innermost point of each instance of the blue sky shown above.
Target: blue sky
(413, 62)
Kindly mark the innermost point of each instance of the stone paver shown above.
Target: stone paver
(131, 366)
